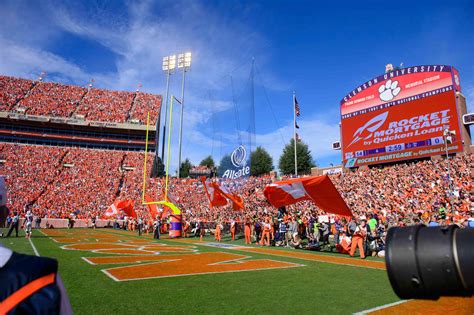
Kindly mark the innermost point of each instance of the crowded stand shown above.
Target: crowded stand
(64, 182)
(104, 105)
(52, 99)
(82, 184)
(145, 103)
(60, 100)
(28, 171)
(12, 90)
(87, 184)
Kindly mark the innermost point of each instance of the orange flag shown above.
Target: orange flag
(214, 194)
(125, 206)
(318, 189)
(152, 209)
(237, 202)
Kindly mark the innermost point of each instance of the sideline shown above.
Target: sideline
(444, 305)
(378, 308)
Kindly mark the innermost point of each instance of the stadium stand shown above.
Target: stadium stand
(12, 90)
(60, 100)
(144, 103)
(69, 179)
(52, 99)
(103, 105)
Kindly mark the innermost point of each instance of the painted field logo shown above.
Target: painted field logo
(165, 266)
(142, 259)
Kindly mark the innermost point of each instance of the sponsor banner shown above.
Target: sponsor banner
(456, 80)
(236, 165)
(407, 131)
(396, 85)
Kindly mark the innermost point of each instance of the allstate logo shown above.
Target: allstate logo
(238, 156)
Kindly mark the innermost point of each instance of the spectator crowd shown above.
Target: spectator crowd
(78, 183)
(82, 183)
(60, 100)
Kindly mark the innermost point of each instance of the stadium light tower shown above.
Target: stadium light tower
(184, 62)
(448, 139)
(169, 64)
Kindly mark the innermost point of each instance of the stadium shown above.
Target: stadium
(100, 213)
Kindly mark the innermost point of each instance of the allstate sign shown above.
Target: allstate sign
(238, 159)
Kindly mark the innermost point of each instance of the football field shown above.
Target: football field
(114, 271)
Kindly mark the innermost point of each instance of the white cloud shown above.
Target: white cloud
(23, 61)
(140, 39)
(315, 132)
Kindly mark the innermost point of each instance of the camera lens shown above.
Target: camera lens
(429, 262)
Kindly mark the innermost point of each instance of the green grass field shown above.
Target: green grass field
(315, 287)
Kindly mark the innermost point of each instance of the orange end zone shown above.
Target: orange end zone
(443, 306)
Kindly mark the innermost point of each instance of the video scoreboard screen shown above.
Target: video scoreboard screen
(401, 115)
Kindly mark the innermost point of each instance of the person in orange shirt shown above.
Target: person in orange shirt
(202, 231)
(247, 231)
(186, 229)
(217, 234)
(266, 233)
(232, 229)
(358, 239)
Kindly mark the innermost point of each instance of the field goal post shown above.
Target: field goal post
(176, 217)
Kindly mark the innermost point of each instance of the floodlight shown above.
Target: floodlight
(184, 60)
(169, 63)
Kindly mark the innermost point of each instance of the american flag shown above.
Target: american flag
(297, 108)
(298, 139)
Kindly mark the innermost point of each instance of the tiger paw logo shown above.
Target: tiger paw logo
(389, 90)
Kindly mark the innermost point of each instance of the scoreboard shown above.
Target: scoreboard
(401, 115)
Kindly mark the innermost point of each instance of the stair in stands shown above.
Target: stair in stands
(15, 106)
(122, 176)
(73, 114)
(132, 108)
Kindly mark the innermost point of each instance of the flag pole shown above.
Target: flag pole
(294, 131)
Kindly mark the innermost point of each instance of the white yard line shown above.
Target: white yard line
(381, 307)
(34, 247)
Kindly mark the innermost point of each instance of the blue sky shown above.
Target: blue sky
(320, 50)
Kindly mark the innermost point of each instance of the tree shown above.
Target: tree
(208, 161)
(158, 169)
(225, 164)
(185, 168)
(260, 162)
(287, 159)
